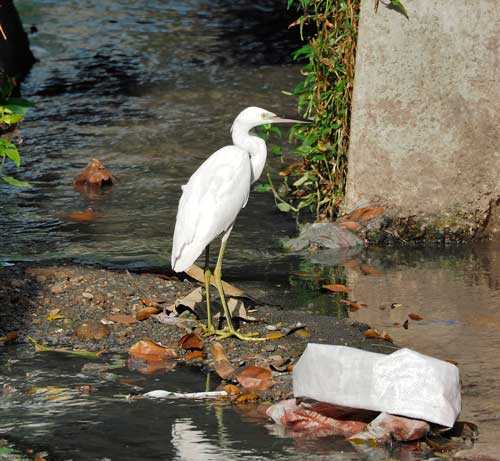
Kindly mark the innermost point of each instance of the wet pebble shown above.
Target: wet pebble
(87, 295)
(91, 331)
(57, 289)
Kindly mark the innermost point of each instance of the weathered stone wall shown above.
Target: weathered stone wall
(425, 124)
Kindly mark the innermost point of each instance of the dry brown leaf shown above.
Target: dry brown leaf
(191, 299)
(231, 389)
(353, 306)
(255, 378)
(222, 364)
(124, 319)
(191, 341)
(363, 215)
(151, 351)
(337, 288)
(149, 302)
(146, 312)
(350, 225)
(370, 213)
(87, 215)
(415, 317)
(237, 309)
(196, 272)
(247, 397)
(374, 333)
(274, 335)
(194, 355)
(370, 270)
(10, 337)
(94, 175)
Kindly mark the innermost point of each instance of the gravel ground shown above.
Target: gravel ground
(70, 306)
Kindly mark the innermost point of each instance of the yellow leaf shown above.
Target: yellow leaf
(54, 314)
(275, 335)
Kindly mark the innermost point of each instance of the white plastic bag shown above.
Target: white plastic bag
(404, 383)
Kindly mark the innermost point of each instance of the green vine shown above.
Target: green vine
(12, 111)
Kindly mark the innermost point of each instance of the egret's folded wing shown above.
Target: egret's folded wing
(210, 202)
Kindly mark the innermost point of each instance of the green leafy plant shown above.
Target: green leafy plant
(12, 111)
(315, 181)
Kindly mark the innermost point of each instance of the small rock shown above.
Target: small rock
(323, 235)
(87, 295)
(91, 330)
(16, 283)
(269, 347)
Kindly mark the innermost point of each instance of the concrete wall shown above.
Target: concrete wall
(426, 112)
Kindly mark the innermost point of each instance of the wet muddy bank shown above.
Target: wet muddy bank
(93, 309)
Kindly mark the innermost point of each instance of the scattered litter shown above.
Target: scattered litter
(386, 427)
(222, 364)
(405, 382)
(160, 394)
(301, 421)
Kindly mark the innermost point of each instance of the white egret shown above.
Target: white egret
(213, 197)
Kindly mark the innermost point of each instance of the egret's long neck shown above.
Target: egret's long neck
(255, 146)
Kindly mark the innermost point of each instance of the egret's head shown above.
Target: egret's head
(252, 117)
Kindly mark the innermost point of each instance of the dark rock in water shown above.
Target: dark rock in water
(324, 235)
(16, 58)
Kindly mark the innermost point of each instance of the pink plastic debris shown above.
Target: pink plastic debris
(302, 422)
(400, 428)
(386, 427)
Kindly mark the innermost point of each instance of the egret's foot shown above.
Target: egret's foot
(207, 330)
(229, 332)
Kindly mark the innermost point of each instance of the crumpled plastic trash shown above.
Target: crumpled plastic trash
(301, 421)
(386, 427)
(404, 383)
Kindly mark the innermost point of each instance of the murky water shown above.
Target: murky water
(151, 88)
(456, 291)
(70, 423)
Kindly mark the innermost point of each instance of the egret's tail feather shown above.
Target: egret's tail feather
(186, 257)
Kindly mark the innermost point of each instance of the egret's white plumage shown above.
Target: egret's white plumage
(215, 194)
(210, 202)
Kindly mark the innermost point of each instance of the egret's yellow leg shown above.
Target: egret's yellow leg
(229, 330)
(207, 276)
